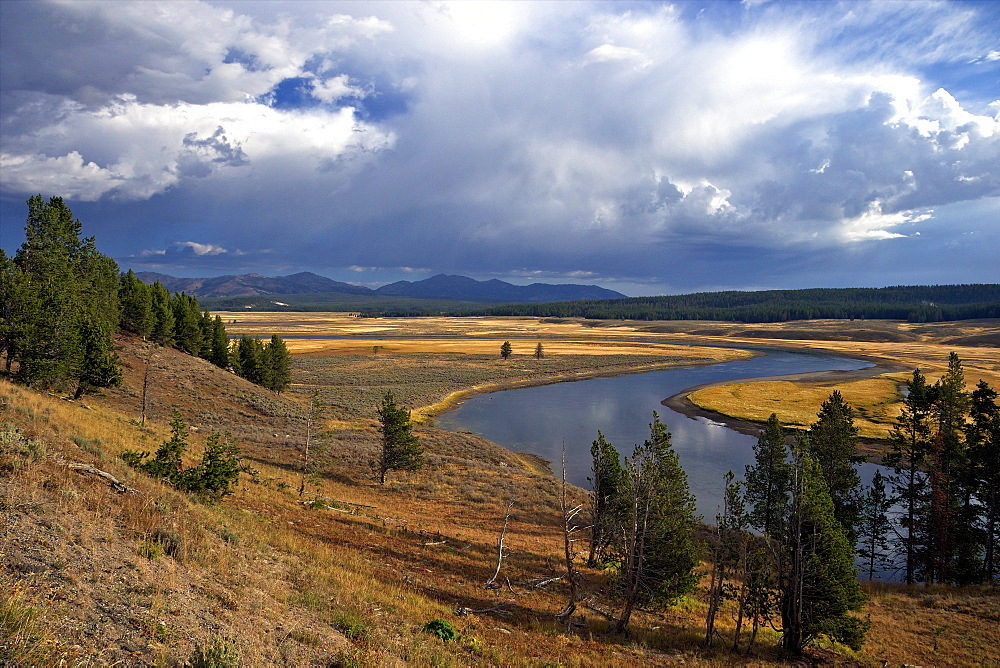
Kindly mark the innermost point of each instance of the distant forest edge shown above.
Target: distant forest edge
(934, 303)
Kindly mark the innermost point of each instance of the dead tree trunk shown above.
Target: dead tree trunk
(491, 583)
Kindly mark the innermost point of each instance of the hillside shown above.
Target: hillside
(99, 578)
(306, 288)
(251, 285)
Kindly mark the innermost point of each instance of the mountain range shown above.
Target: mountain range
(442, 287)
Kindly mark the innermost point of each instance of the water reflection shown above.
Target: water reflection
(540, 419)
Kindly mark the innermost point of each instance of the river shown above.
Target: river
(540, 419)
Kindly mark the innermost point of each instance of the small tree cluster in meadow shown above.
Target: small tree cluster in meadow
(781, 550)
(214, 477)
(266, 364)
(643, 522)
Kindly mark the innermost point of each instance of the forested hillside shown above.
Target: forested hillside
(934, 303)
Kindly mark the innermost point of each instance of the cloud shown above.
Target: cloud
(507, 137)
(133, 151)
(186, 248)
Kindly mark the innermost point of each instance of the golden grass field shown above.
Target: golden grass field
(876, 400)
(301, 584)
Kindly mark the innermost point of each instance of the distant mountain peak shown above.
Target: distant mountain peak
(440, 286)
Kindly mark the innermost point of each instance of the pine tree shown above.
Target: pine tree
(658, 555)
(279, 365)
(136, 304)
(768, 481)
(605, 497)
(13, 299)
(539, 351)
(401, 450)
(910, 443)
(218, 470)
(956, 549)
(66, 297)
(207, 329)
(163, 315)
(726, 551)
(249, 359)
(821, 587)
(983, 438)
(187, 323)
(219, 355)
(505, 350)
(874, 527)
(833, 441)
(100, 366)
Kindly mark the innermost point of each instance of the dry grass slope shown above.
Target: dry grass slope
(90, 577)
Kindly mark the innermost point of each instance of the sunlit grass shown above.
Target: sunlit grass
(874, 401)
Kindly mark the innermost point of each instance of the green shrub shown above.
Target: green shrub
(441, 628)
(214, 477)
(217, 653)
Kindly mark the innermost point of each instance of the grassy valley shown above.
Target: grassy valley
(351, 572)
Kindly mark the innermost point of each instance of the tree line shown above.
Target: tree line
(933, 303)
(785, 541)
(62, 301)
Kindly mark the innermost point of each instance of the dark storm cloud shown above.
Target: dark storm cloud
(663, 145)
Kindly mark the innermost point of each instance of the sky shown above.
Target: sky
(647, 147)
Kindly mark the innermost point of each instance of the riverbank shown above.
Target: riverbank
(682, 403)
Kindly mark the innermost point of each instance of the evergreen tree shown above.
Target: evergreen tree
(66, 298)
(983, 438)
(163, 315)
(167, 463)
(213, 477)
(219, 355)
(727, 550)
(187, 323)
(249, 359)
(821, 588)
(605, 497)
(539, 351)
(768, 481)
(909, 445)
(874, 527)
(956, 544)
(505, 350)
(207, 328)
(658, 555)
(279, 365)
(218, 470)
(136, 305)
(401, 450)
(934, 526)
(100, 366)
(833, 441)
(13, 288)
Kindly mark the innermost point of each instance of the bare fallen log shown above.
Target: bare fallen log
(496, 610)
(349, 503)
(114, 482)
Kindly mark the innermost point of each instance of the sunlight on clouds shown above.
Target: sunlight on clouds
(483, 23)
(67, 174)
(608, 53)
(872, 224)
(154, 147)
